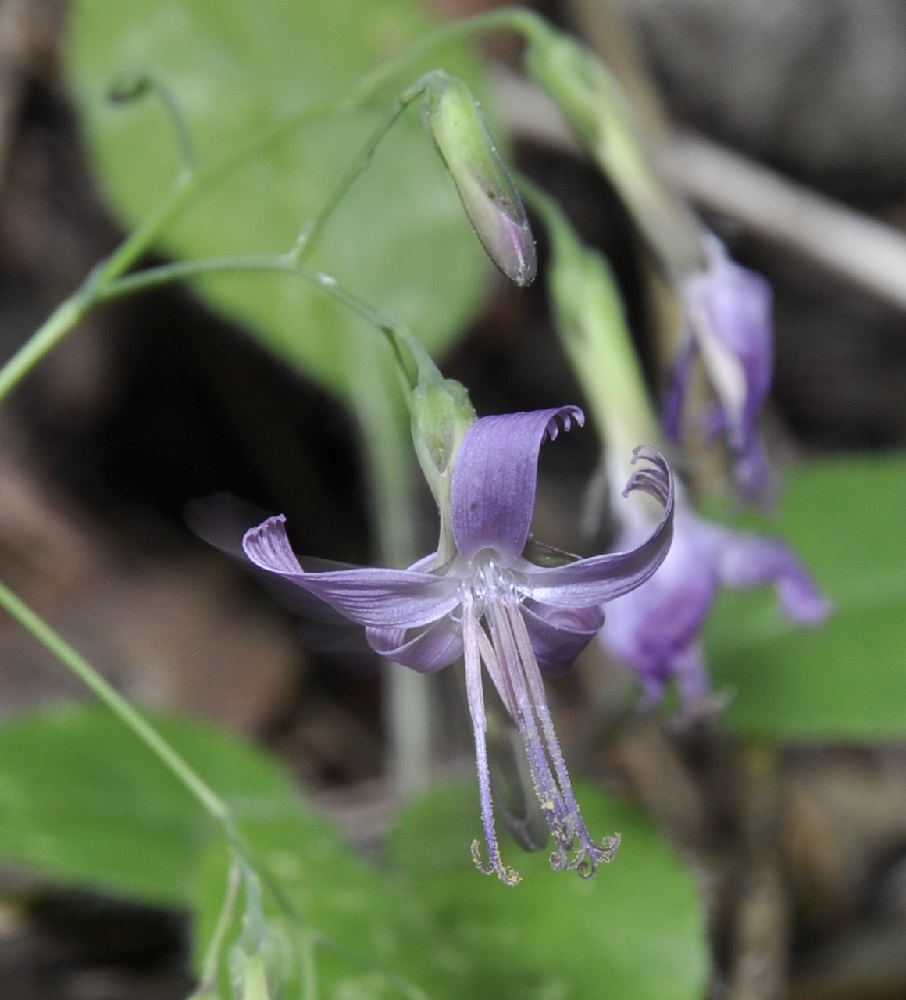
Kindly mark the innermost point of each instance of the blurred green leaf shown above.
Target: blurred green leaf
(846, 679)
(636, 931)
(83, 801)
(340, 919)
(400, 240)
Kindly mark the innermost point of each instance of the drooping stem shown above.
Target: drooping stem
(520, 20)
(106, 281)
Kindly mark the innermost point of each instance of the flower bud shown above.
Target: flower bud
(441, 414)
(486, 188)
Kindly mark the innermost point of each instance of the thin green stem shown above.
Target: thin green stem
(520, 20)
(101, 283)
(132, 86)
(359, 165)
(184, 141)
(192, 183)
(214, 950)
(129, 716)
(50, 333)
(406, 347)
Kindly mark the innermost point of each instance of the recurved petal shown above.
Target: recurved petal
(655, 628)
(559, 634)
(492, 492)
(428, 650)
(382, 598)
(593, 581)
(748, 560)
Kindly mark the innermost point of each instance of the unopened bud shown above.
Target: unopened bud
(441, 414)
(486, 188)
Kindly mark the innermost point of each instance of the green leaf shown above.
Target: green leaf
(84, 802)
(847, 678)
(636, 931)
(399, 240)
(338, 919)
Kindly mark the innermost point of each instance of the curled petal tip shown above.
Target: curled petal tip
(267, 546)
(655, 479)
(564, 418)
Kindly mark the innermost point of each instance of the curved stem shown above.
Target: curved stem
(407, 349)
(358, 166)
(133, 86)
(48, 335)
(192, 182)
(520, 20)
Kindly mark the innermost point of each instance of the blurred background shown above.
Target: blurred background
(156, 400)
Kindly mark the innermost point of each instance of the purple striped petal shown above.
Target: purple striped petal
(492, 492)
(587, 582)
(382, 598)
(558, 634)
(429, 650)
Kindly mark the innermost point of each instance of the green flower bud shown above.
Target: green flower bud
(486, 188)
(441, 414)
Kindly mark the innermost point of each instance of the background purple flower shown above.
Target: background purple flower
(656, 628)
(728, 316)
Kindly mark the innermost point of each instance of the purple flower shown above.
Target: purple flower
(728, 315)
(655, 629)
(492, 606)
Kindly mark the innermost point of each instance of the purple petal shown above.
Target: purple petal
(655, 628)
(559, 634)
(222, 520)
(382, 598)
(675, 394)
(593, 581)
(429, 650)
(728, 308)
(748, 560)
(493, 487)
